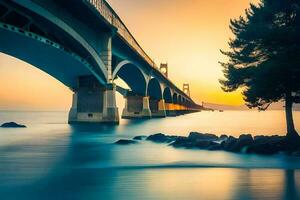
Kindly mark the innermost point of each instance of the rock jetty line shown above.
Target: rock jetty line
(12, 125)
(126, 142)
(265, 145)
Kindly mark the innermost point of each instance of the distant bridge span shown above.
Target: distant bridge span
(85, 45)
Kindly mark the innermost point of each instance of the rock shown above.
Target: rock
(186, 142)
(268, 145)
(261, 139)
(161, 138)
(268, 139)
(265, 149)
(242, 142)
(203, 144)
(273, 140)
(202, 136)
(182, 142)
(223, 137)
(245, 143)
(12, 125)
(236, 145)
(215, 147)
(140, 137)
(229, 143)
(199, 141)
(126, 142)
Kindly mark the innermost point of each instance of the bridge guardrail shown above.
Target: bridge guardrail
(111, 17)
(109, 14)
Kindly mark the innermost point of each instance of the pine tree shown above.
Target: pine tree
(264, 56)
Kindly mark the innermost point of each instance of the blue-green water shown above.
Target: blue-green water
(53, 160)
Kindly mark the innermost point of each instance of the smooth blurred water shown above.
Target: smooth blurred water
(53, 160)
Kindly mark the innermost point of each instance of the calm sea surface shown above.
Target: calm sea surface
(53, 160)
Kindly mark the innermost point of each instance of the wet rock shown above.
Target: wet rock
(182, 142)
(161, 138)
(140, 137)
(12, 125)
(243, 142)
(215, 147)
(265, 149)
(223, 137)
(204, 144)
(268, 145)
(261, 139)
(237, 144)
(202, 136)
(126, 142)
(198, 141)
(229, 143)
(186, 142)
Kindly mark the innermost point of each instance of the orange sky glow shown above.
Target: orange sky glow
(185, 34)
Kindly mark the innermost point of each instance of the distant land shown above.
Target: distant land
(275, 106)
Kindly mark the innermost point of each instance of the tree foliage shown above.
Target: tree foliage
(264, 56)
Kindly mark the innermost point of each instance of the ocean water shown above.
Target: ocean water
(53, 160)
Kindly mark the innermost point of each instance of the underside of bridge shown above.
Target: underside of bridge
(87, 54)
(157, 103)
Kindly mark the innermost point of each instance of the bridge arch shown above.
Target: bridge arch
(154, 90)
(175, 98)
(189, 103)
(46, 55)
(65, 34)
(132, 75)
(183, 101)
(179, 101)
(167, 95)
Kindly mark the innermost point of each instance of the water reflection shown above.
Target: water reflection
(290, 190)
(225, 184)
(92, 128)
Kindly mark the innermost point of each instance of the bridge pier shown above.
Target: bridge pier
(110, 109)
(73, 111)
(93, 103)
(136, 107)
(158, 109)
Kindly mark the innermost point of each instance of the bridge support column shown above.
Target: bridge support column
(110, 109)
(93, 103)
(73, 110)
(106, 53)
(136, 107)
(158, 108)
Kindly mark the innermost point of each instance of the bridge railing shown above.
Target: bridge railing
(109, 14)
(111, 17)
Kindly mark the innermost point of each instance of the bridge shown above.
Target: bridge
(85, 45)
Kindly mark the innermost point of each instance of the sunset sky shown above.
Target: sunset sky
(186, 34)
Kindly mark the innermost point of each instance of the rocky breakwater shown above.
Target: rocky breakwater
(245, 143)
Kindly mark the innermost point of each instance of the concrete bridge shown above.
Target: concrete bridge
(85, 45)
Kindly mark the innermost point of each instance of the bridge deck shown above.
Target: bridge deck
(106, 11)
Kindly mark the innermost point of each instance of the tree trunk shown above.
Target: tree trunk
(291, 131)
